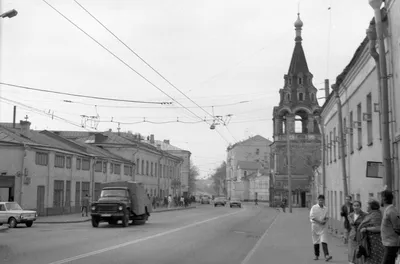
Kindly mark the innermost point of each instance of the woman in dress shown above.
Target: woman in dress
(355, 219)
(369, 233)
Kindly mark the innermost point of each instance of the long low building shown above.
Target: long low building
(45, 171)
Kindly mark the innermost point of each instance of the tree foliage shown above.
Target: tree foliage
(193, 173)
(219, 179)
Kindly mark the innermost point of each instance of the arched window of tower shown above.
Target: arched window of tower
(301, 97)
(301, 121)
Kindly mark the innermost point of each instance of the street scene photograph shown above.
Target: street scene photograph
(199, 132)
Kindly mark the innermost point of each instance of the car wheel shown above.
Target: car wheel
(12, 222)
(29, 223)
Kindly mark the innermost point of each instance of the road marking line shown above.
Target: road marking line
(251, 252)
(68, 260)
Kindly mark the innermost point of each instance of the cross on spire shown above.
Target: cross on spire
(26, 117)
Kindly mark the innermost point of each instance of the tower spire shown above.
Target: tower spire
(298, 25)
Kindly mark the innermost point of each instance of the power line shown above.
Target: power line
(143, 60)
(82, 96)
(118, 58)
(38, 111)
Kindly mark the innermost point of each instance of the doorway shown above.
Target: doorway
(303, 199)
(40, 200)
(7, 188)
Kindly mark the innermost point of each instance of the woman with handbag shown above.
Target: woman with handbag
(370, 241)
(355, 219)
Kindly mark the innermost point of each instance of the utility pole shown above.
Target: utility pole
(289, 164)
(387, 162)
(335, 88)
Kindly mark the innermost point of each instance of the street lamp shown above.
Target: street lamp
(9, 14)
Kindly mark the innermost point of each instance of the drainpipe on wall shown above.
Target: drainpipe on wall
(335, 88)
(384, 107)
(47, 188)
(22, 178)
(92, 179)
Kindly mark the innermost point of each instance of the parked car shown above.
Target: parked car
(235, 202)
(219, 201)
(12, 214)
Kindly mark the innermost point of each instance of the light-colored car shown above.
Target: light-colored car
(12, 214)
(235, 202)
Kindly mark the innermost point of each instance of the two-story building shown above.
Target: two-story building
(51, 174)
(158, 170)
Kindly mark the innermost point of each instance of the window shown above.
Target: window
(85, 189)
(339, 146)
(68, 162)
(126, 170)
(257, 151)
(369, 120)
(345, 137)
(351, 133)
(142, 167)
(58, 200)
(151, 169)
(137, 166)
(330, 147)
(42, 158)
(78, 163)
(359, 126)
(111, 168)
(104, 167)
(160, 170)
(77, 194)
(288, 97)
(155, 169)
(99, 166)
(290, 81)
(117, 169)
(85, 164)
(68, 194)
(147, 168)
(300, 80)
(59, 161)
(327, 150)
(334, 144)
(301, 96)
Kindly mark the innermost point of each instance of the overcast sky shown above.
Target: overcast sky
(229, 54)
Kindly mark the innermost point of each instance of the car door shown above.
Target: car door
(3, 214)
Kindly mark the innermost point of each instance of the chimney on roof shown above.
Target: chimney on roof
(25, 128)
(166, 141)
(99, 138)
(110, 130)
(326, 89)
(152, 139)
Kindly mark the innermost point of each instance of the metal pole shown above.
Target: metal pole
(14, 115)
(335, 88)
(289, 165)
(387, 179)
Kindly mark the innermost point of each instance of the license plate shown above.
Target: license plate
(106, 215)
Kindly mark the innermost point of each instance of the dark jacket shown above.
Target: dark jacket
(345, 213)
(354, 224)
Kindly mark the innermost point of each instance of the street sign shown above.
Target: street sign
(374, 169)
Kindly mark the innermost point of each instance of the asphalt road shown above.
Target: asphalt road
(202, 235)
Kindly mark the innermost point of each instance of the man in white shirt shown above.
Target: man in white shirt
(319, 230)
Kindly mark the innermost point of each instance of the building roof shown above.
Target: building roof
(357, 54)
(255, 138)
(248, 165)
(73, 134)
(298, 62)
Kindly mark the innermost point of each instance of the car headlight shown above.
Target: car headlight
(93, 208)
(120, 208)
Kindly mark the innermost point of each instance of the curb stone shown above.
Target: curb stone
(87, 220)
(4, 228)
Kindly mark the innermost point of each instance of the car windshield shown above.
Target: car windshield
(235, 200)
(219, 199)
(113, 193)
(13, 206)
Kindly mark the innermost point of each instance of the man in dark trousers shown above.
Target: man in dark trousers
(85, 205)
(347, 208)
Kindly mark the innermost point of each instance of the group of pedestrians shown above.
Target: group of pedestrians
(372, 236)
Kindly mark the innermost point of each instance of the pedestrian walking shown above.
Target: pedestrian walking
(370, 242)
(169, 201)
(283, 204)
(347, 208)
(85, 205)
(319, 230)
(390, 228)
(355, 218)
(256, 201)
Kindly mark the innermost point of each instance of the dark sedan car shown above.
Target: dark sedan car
(235, 202)
(219, 201)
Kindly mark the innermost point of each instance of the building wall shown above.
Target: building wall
(246, 151)
(185, 167)
(360, 81)
(259, 185)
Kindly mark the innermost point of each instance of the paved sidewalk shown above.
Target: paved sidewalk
(288, 241)
(77, 218)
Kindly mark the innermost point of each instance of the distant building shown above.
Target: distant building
(256, 150)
